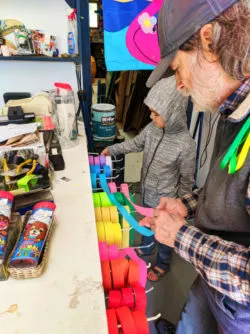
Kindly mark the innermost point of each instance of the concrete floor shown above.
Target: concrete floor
(169, 294)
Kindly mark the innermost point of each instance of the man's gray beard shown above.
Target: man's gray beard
(199, 106)
(205, 88)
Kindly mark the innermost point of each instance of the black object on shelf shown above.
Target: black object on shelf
(15, 113)
(16, 116)
(53, 148)
(55, 154)
(15, 96)
(57, 161)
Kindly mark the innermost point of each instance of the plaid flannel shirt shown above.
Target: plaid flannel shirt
(224, 265)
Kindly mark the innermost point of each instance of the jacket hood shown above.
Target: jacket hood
(169, 103)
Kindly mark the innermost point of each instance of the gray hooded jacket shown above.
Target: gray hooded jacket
(169, 154)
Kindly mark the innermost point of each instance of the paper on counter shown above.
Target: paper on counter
(13, 130)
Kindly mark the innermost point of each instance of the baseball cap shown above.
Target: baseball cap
(179, 20)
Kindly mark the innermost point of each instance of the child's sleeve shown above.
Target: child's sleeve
(186, 163)
(131, 145)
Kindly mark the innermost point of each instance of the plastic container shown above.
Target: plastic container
(103, 119)
(65, 115)
(72, 34)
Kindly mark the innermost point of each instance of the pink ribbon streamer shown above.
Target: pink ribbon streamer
(146, 212)
(112, 187)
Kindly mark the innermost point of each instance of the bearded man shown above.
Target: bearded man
(206, 43)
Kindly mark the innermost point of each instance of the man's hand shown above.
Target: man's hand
(165, 226)
(105, 152)
(173, 206)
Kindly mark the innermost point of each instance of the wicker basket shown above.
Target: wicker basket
(34, 272)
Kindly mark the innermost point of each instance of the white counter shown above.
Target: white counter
(68, 297)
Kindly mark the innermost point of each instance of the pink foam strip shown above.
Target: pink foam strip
(112, 187)
(146, 212)
(91, 160)
(103, 250)
(97, 160)
(113, 252)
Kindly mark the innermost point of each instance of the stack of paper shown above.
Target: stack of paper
(14, 130)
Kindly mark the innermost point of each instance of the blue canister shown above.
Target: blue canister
(103, 119)
(33, 238)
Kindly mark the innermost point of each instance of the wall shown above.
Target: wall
(47, 15)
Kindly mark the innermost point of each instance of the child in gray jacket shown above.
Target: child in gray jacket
(168, 158)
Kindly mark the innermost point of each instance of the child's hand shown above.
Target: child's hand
(173, 206)
(105, 152)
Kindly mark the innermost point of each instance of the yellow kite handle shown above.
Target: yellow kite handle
(19, 167)
(33, 168)
(243, 153)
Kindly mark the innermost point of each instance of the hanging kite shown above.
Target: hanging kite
(130, 34)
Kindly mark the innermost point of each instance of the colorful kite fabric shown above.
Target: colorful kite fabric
(130, 34)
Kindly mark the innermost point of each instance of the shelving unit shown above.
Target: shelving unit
(41, 58)
(82, 7)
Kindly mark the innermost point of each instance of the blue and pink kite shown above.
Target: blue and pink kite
(130, 33)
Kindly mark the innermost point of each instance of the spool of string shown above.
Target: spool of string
(123, 201)
(110, 214)
(112, 252)
(120, 273)
(101, 200)
(100, 160)
(109, 252)
(95, 172)
(109, 232)
(119, 197)
(130, 321)
(100, 164)
(133, 298)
